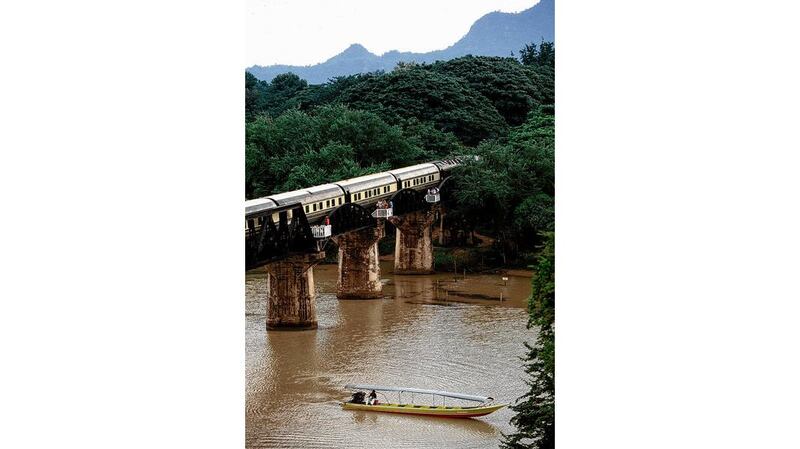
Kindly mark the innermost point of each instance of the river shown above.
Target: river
(465, 341)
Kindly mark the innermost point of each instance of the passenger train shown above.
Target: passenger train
(321, 201)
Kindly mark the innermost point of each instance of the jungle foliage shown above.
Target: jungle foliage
(501, 109)
(535, 410)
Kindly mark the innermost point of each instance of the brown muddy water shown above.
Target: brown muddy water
(467, 341)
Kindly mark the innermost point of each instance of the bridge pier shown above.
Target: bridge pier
(292, 299)
(359, 267)
(413, 252)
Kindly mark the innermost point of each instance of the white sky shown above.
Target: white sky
(303, 32)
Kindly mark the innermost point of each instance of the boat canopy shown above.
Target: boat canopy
(467, 397)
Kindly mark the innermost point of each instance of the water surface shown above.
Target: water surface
(465, 340)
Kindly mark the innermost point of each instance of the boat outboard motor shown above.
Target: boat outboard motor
(358, 397)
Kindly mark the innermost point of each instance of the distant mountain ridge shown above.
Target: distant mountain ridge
(495, 34)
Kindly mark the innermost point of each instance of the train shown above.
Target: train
(320, 201)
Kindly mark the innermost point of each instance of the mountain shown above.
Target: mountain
(495, 34)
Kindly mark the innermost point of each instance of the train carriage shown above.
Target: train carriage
(417, 177)
(367, 190)
(322, 200)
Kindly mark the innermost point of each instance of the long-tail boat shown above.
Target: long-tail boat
(485, 404)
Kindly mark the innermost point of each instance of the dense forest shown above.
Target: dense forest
(501, 109)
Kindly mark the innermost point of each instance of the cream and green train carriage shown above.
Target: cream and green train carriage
(417, 177)
(367, 190)
(322, 200)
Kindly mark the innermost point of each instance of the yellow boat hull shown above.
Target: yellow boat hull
(428, 410)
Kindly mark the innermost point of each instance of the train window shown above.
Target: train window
(315, 206)
(320, 205)
(250, 223)
(327, 203)
(306, 207)
(340, 201)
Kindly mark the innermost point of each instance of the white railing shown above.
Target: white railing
(321, 231)
(432, 198)
(382, 213)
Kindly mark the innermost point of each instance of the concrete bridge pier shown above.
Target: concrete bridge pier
(359, 268)
(292, 299)
(413, 252)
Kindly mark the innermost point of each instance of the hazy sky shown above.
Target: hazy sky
(302, 32)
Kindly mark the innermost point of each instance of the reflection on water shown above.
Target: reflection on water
(463, 340)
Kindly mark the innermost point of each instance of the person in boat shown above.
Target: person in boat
(358, 397)
(373, 398)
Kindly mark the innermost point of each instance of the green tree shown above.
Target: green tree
(542, 62)
(444, 101)
(284, 93)
(504, 81)
(535, 410)
(318, 95)
(508, 193)
(542, 56)
(373, 140)
(255, 96)
(332, 162)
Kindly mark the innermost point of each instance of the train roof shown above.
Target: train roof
(323, 192)
(367, 182)
(258, 205)
(414, 171)
(285, 198)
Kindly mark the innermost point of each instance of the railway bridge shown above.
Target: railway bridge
(287, 234)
